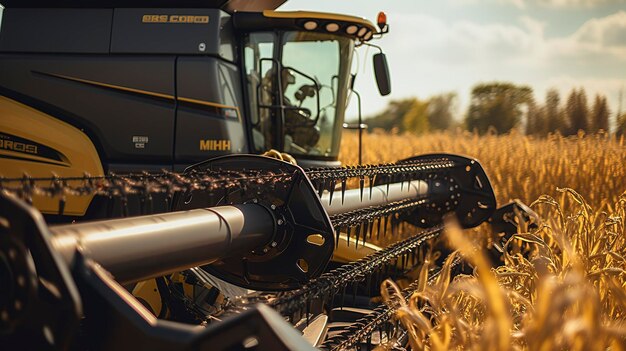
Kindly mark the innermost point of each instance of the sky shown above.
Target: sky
(443, 46)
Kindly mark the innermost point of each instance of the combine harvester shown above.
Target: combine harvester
(116, 234)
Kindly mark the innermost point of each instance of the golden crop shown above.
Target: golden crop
(519, 166)
(562, 285)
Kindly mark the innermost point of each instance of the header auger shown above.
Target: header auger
(252, 221)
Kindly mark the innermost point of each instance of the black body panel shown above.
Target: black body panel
(151, 31)
(227, 5)
(209, 110)
(120, 31)
(117, 100)
(40, 30)
(111, 3)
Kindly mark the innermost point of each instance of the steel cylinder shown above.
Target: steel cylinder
(381, 195)
(138, 248)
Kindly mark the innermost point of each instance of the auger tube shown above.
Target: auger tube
(352, 199)
(137, 248)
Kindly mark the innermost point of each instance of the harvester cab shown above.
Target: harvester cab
(301, 110)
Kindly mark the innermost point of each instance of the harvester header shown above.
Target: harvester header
(251, 221)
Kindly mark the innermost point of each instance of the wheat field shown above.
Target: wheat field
(562, 285)
(519, 166)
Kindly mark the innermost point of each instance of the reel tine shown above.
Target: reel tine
(361, 186)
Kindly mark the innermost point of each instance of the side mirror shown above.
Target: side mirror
(381, 71)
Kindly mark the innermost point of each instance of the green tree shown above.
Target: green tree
(621, 125)
(553, 113)
(577, 112)
(392, 115)
(496, 105)
(536, 123)
(416, 119)
(440, 111)
(600, 115)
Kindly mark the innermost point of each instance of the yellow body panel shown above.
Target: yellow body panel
(344, 253)
(39, 145)
(148, 293)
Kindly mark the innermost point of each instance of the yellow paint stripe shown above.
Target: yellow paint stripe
(212, 104)
(117, 87)
(320, 15)
(146, 92)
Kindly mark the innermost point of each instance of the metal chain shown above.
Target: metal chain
(166, 182)
(334, 281)
(379, 170)
(375, 218)
(378, 319)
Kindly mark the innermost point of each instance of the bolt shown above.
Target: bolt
(274, 244)
(255, 201)
(280, 222)
(273, 207)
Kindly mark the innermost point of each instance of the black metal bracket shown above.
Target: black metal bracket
(463, 189)
(304, 240)
(40, 307)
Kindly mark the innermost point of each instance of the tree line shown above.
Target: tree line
(500, 107)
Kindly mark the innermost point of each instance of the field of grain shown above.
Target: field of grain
(563, 285)
(518, 166)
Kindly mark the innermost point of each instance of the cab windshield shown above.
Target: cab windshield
(297, 85)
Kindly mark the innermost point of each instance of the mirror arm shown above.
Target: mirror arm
(374, 46)
(360, 126)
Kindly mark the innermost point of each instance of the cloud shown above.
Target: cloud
(465, 41)
(522, 4)
(579, 3)
(435, 55)
(607, 32)
(599, 41)
(523, 43)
